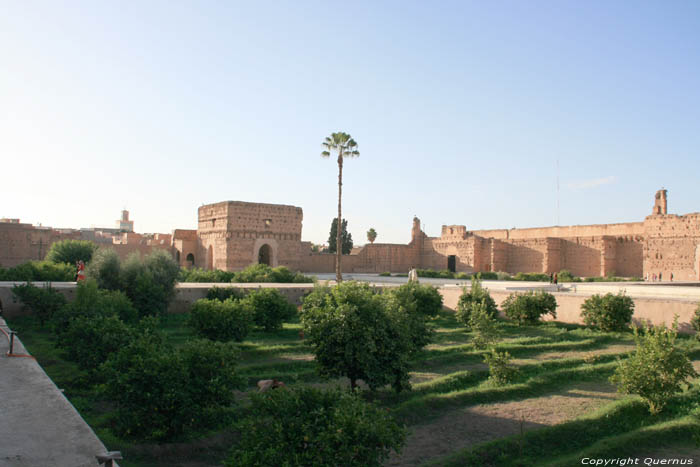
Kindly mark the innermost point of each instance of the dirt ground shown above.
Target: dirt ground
(461, 429)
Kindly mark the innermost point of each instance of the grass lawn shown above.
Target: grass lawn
(559, 408)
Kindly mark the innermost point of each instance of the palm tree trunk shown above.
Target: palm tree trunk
(338, 241)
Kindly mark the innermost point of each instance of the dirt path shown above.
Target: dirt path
(463, 428)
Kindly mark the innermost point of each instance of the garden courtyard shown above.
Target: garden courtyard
(558, 409)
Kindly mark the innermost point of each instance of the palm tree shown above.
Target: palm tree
(371, 235)
(344, 146)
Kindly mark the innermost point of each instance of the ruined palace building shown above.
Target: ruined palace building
(234, 234)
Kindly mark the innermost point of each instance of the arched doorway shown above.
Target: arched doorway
(265, 255)
(190, 260)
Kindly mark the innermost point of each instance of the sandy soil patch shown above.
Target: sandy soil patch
(463, 428)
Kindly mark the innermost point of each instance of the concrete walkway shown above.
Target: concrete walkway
(38, 426)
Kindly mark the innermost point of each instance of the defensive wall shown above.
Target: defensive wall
(661, 245)
(234, 234)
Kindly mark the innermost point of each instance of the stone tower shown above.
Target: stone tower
(660, 203)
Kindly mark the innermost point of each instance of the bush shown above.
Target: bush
(352, 334)
(89, 341)
(608, 312)
(43, 302)
(475, 295)
(503, 276)
(221, 320)
(424, 299)
(270, 308)
(531, 276)
(565, 276)
(695, 321)
(385, 274)
(483, 325)
(657, 370)
(430, 273)
(488, 276)
(71, 251)
(150, 284)
(413, 305)
(203, 275)
(223, 293)
(264, 273)
(528, 307)
(308, 426)
(91, 302)
(105, 268)
(163, 393)
(500, 372)
(39, 271)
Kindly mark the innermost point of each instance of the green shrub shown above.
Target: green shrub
(413, 305)
(483, 325)
(657, 369)
(308, 426)
(500, 372)
(462, 275)
(488, 276)
(608, 312)
(424, 299)
(105, 268)
(39, 271)
(476, 294)
(150, 284)
(165, 393)
(91, 302)
(385, 274)
(352, 334)
(503, 276)
(43, 302)
(221, 320)
(204, 275)
(71, 251)
(223, 293)
(270, 308)
(90, 340)
(430, 273)
(264, 273)
(531, 277)
(565, 276)
(695, 321)
(528, 307)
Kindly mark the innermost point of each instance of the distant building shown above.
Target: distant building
(124, 224)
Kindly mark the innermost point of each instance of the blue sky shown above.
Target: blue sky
(460, 109)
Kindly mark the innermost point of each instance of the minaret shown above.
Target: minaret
(660, 202)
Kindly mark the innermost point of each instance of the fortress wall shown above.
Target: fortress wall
(526, 255)
(382, 257)
(629, 256)
(20, 243)
(673, 246)
(461, 247)
(499, 255)
(582, 256)
(596, 230)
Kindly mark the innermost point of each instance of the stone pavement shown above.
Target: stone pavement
(38, 426)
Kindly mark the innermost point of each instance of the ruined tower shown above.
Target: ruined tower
(660, 203)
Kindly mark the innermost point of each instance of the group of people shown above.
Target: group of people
(553, 279)
(656, 278)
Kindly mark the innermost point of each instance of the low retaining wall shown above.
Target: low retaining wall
(653, 310)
